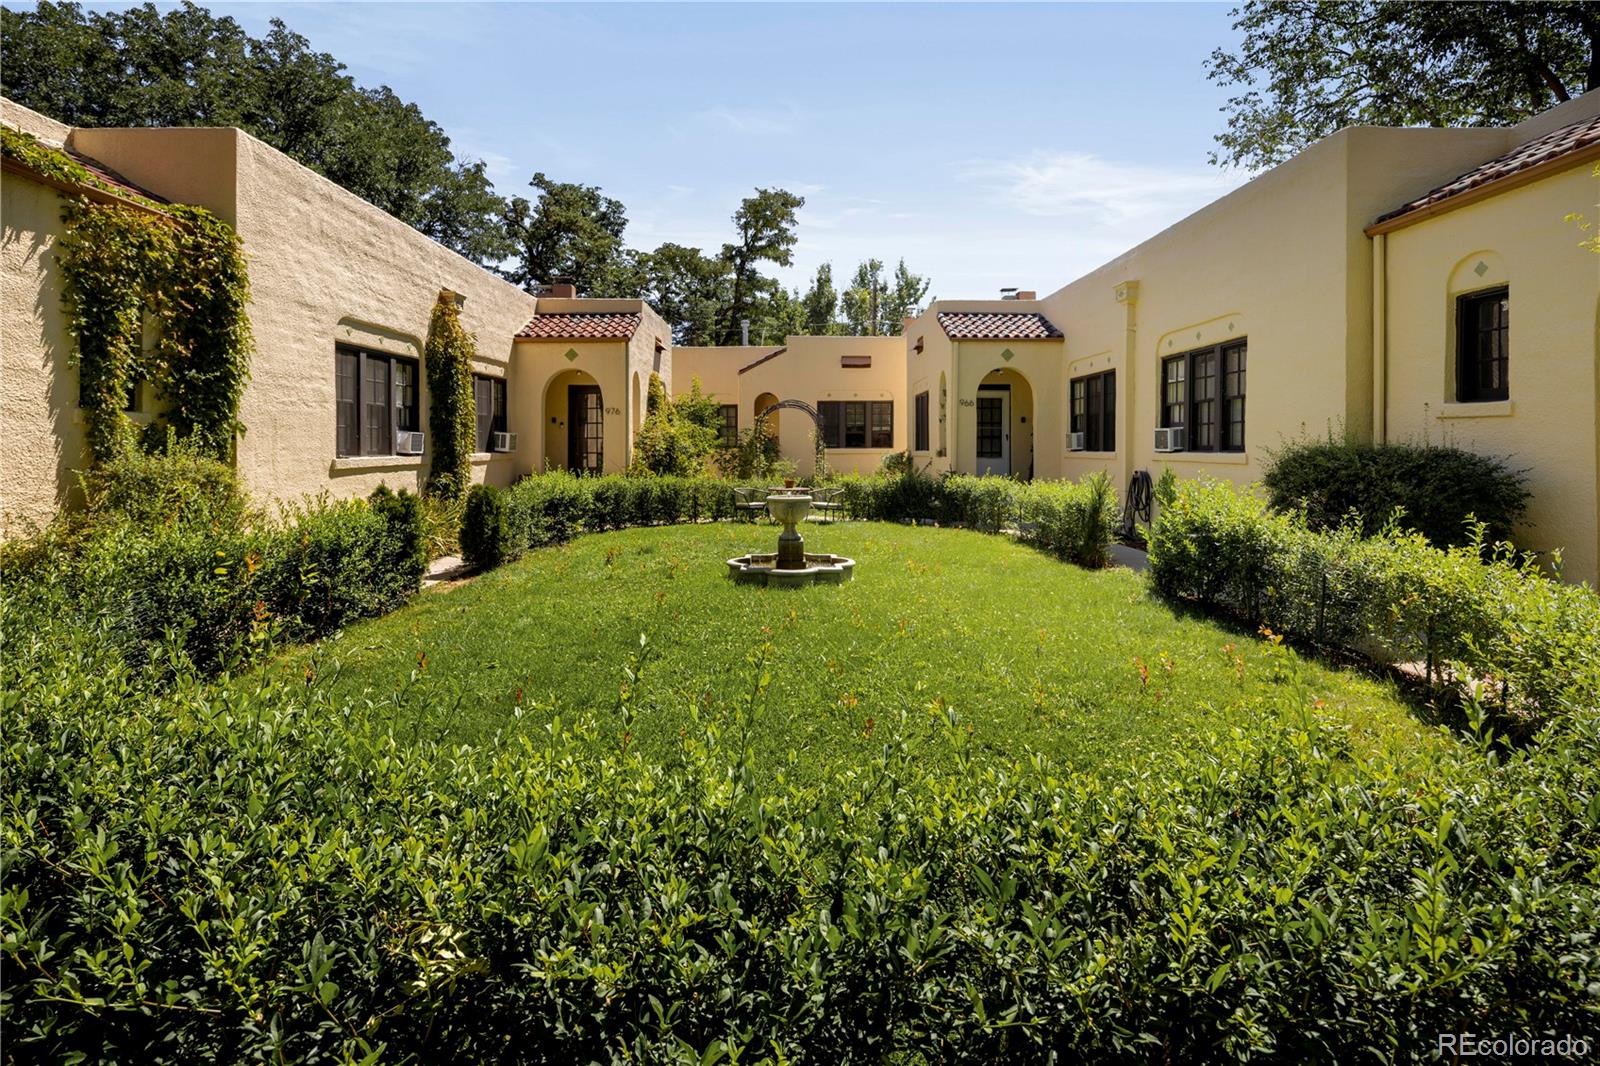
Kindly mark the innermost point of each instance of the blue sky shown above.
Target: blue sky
(989, 144)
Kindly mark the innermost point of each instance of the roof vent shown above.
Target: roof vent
(1008, 293)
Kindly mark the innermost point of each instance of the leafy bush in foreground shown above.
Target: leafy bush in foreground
(1535, 643)
(239, 874)
(1441, 491)
(217, 592)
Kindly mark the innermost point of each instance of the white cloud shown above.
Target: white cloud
(753, 121)
(1081, 184)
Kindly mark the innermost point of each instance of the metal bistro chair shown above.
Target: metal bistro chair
(826, 503)
(751, 501)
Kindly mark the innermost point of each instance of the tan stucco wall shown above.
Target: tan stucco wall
(717, 368)
(543, 373)
(41, 427)
(1521, 239)
(31, 122)
(809, 369)
(931, 370)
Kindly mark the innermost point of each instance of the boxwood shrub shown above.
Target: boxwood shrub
(1533, 643)
(1440, 492)
(256, 872)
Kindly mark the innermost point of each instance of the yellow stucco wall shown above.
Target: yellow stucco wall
(1519, 239)
(810, 370)
(718, 371)
(543, 373)
(41, 427)
(325, 267)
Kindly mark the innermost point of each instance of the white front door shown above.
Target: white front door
(994, 432)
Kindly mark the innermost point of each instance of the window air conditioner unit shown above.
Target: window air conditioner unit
(502, 442)
(1169, 440)
(407, 443)
(1075, 442)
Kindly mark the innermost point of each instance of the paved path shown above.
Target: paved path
(1132, 558)
(445, 568)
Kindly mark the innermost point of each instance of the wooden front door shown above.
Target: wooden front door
(585, 429)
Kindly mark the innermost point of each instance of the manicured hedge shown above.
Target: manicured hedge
(258, 873)
(1534, 641)
(1440, 492)
(1075, 520)
(210, 593)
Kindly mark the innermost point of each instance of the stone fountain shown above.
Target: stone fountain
(791, 565)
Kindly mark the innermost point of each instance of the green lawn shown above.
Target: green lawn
(1033, 653)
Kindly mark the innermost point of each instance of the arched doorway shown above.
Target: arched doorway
(1004, 436)
(763, 402)
(574, 428)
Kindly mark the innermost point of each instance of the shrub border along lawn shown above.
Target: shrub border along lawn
(199, 872)
(1530, 645)
(1072, 520)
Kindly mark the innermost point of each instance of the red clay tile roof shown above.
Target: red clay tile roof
(997, 326)
(603, 325)
(1552, 146)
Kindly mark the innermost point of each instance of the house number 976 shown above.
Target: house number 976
(613, 410)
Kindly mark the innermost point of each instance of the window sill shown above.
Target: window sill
(1483, 409)
(1084, 453)
(375, 462)
(1214, 458)
(483, 457)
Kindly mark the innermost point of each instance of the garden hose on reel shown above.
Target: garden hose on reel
(1138, 503)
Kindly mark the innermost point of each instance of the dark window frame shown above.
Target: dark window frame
(1207, 387)
(1481, 348)
(856, 424)
(354, 431)
(1092, 400)
(728, 431)
(492, 388)
(922, 410)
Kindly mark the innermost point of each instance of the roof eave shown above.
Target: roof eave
(1587, 154)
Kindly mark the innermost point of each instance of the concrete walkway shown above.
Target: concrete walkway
(1132, 558)
(445, 569)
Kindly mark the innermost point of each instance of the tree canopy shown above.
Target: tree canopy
(1306, 68)
(186, 67)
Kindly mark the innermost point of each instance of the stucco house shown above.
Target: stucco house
(848, 389)
(1363, 287)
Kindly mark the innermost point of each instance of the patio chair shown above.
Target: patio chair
(825, 502)
(751, 501)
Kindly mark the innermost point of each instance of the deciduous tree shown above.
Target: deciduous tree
(764, 226)
(1306, 68)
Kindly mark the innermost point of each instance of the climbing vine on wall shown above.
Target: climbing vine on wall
(131, 259)
(452, 409)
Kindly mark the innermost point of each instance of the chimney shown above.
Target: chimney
(562, 289)
(1027, 294)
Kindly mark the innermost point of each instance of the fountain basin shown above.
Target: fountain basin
(789, 509)
(761, 568)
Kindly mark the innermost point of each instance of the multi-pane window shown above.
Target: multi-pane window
(922, 422)
(728, 430)
(1203, 392)
(377, 399)
(1094, 410)
(1483, 354)
(857, 423)
(489, 397)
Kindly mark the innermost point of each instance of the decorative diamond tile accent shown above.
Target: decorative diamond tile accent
(572, 353)
(1481, 269)
(1008, 355)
